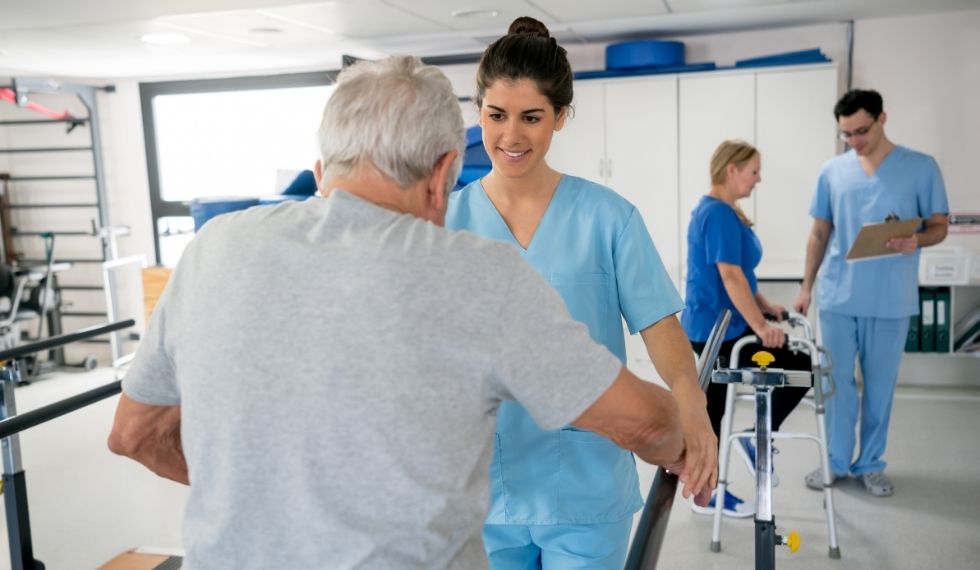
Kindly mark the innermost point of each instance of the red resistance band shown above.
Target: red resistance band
(8, 94)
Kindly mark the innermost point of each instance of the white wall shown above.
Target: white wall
(927, 68)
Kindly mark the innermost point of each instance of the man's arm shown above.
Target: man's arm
(935, 231)
(816, 248)
(151, 436)
(671, 353)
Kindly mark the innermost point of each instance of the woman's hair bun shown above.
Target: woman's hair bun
(529, 26)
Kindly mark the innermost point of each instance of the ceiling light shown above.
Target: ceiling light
(164, 39)
(475, 13)
(265, 30)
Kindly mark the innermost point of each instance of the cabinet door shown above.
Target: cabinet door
(641, 146)
(712, 108)
(796, 134)
(579, 148)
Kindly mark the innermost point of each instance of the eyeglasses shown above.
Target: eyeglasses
(846, 136)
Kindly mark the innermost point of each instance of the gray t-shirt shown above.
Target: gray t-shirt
(339, 367)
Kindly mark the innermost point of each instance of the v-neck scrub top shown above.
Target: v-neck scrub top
(907, 184)
(593, 247)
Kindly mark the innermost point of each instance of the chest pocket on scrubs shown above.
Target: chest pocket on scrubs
(586, 296)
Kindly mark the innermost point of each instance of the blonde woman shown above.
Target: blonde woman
(722, 255)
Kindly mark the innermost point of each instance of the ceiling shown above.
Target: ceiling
(101, 39)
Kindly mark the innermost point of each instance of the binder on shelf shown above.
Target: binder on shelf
(912, 340)
(942, 319)
(927, 316)
(967, 330)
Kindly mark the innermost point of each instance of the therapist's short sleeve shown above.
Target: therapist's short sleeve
(721, 231)
(820, 207)
(932, 193)
(646, 293)
(542, 358)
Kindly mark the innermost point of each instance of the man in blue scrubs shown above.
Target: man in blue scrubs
(865, 306)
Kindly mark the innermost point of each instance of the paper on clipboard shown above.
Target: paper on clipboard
(870, 241)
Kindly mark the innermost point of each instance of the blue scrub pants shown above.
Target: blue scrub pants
(879, 344)
(557, 547)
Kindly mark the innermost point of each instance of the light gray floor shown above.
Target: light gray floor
(87, 505)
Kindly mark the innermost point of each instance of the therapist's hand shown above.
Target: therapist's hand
(802, 303)
(904, 244)
(700, 470)
(680, 468)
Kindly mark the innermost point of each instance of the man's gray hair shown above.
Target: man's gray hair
(396, 115)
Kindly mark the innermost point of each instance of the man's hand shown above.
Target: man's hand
(904, 245)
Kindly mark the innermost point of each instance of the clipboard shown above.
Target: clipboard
(870, 241)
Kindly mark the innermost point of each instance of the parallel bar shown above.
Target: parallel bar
(644, 552)
(37, 206)
(48, 149)
(80, 287)
(17, 233)
(78, 260)
(38, 178)
(20, 422)
(75, 120)
(82, 314)
(63, 339)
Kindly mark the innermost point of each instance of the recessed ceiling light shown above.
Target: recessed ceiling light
(475, 13)
(265, 30)
(164, 39)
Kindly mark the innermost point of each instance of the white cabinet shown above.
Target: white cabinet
(713, 107)
(796, 133)
(623, 134)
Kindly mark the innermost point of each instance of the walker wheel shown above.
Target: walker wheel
(763, 358)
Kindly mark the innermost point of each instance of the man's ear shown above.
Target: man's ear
(318, 174)
(439, 181)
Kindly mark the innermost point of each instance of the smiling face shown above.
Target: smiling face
(518, 122)
(742, 180)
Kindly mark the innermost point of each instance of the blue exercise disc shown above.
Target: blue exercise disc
(203, 209)
(644, 54)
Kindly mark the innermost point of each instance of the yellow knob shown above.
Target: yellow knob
(793, 541)
(763, 358)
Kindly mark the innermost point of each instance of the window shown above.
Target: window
(244, 137)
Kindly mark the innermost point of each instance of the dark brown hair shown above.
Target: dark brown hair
(527, 52)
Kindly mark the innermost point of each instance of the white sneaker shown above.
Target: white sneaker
(734, 507)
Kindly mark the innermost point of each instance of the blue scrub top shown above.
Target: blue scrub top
(594, 249)
(716, 235)
(907, 184)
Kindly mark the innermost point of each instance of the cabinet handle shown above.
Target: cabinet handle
(609, 168)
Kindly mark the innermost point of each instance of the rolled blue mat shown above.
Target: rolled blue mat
(203, 209)
(644, 53)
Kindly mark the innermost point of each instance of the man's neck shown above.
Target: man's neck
(873, 159)
(372, 188)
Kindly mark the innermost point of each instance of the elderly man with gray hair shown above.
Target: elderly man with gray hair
(325, 374)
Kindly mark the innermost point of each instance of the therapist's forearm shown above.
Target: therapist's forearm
(670, 351)
(934, 232)
(816, 248)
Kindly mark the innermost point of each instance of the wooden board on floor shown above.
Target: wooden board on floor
(134, 561)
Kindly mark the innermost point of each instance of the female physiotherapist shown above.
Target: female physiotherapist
(565, 499)
(722, 254)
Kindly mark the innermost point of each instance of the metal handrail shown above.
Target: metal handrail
(20, 422)
(648, 540)
(56, 341)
